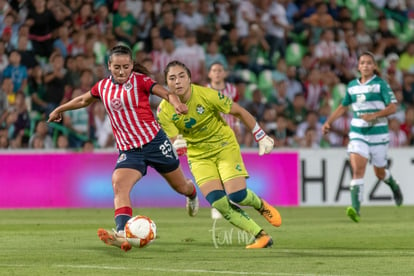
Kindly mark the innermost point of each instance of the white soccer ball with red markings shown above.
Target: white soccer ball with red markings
(140, 231)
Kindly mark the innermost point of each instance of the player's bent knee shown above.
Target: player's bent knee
(238, 196)
(218, 200)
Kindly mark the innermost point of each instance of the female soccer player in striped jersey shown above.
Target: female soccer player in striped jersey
(372, 101)
(140, 140)
(217, 75)
(213, 152)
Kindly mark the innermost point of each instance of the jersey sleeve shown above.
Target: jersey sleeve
(165, 119)
(347, 98)
(387, 93)
(146, 82)
(95, 90)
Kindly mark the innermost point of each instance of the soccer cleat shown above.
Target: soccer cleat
(270, 214)
(398, 197)
(192, 206)
(263, 241)
(113, 238)
(353, 214)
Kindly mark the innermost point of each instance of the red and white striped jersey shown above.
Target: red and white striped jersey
(127, 105)
(229, 91)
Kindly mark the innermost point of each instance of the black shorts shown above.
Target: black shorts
(158, 154)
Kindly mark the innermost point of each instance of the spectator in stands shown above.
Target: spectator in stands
(319, 20)
(84, 19)
(296, 113)
(42, 24)
(327, 51)
(311, 122)
(57, 89)
(7, 90)
(276, 25)
(103, 130)
(22, 124)
(346, 69)
(4, 141)
(280, 133)
(245, 17)
(41, 132)
(398, 138)
(257, 108)
(233, 49)
(224, 13)
(64, 41)
(22, 32)
(146, 20)
(16, 71)
(364, 39)
(189, 16)
(28, 58)
(408, 89)
(213, 55)
(406, 62)
(193, 55)
(125, 25)
(385, 41)
(210, 29)
(77, 122)
(256, 47)
(166, 25)
(62, 142)
(338, 135)
(4, 60)
(408, 125)
(293, 85)
(279, 99)
(314, 90)
(103, 20)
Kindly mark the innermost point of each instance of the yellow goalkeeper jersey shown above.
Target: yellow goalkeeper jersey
(202, 127)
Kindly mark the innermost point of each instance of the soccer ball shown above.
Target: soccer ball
(140, 231)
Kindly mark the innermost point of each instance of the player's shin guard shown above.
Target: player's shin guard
(246, 197)
(357, 192)
(234, 215)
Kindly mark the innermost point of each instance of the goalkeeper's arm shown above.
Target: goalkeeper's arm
(265, 142)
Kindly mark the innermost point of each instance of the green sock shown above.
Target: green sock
(391, 182)
(251, 199)
(355, 198)
(236, 216)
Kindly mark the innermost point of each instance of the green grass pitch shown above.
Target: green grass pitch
(311, 241)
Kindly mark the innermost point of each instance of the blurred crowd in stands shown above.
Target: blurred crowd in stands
(289, 60)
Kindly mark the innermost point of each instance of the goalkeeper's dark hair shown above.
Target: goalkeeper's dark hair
(176, 63)
(125, 50)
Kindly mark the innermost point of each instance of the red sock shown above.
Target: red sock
(122, 215)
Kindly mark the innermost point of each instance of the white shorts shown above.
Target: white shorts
(377, 154)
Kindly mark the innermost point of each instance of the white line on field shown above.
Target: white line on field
(99, 267)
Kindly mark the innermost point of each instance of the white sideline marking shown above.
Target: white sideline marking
(167, 270)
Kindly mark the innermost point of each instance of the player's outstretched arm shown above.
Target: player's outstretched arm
(335, 115)
(76, 103)
(266, 143)
(173, 99)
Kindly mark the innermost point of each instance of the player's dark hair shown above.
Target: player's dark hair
(125, 50)
(372, 56)
(215, 63)
(175, 63)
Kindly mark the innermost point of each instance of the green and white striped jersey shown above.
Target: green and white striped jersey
(370, 97)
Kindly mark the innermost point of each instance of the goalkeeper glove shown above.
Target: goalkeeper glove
(265, 142)
(180, 145)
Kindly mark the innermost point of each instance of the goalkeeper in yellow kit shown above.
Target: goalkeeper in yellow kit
(213, 152)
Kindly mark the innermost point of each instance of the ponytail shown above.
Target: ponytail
(141, 69)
